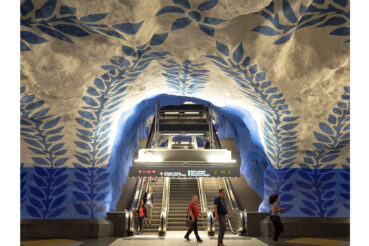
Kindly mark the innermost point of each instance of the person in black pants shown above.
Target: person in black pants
(142, 215)
(220, 211)
(275, 217)
(193, 214)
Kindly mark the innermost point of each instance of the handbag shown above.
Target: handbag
(274, 218)
(189, 223)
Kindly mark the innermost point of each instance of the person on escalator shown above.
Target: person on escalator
(221, 214)
(193, 214)
(207, 143)
(149, 203)
(142, 215)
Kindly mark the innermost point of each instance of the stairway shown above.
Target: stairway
(157, 189)
(181, 192)
(211, 189)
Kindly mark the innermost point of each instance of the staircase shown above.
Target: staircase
(157, 189)
(211, 189)
(181, 192)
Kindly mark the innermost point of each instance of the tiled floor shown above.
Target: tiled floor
(176, 239)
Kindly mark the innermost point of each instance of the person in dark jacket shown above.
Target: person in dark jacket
(221, 214)
(207, 143)
(142, 215)
(275, 217)
(149, 203)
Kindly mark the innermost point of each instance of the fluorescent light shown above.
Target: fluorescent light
(171, 112)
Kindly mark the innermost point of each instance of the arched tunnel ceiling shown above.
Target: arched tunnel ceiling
(287, 62)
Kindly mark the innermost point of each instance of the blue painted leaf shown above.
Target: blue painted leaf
(59, 190)
(34, 105)
(320, 146)
(207, 5)
(222, 48)
(41, 171)
(286, 198)
(321, 137)
(284, 38)
(46, 10)
(346, 187)
(158, 39)
(83, 145)
(82, 159)
(213, 21)
(346, 196)
(329, 194)
(111, 33)
(286, 187)
(328, 186)
(329, 158)
(58, 201)
(60, 161)
(37, 192)
(334, 21)
(309, 205)
(90, 101)
(93, 17)
(305, 176)
(83, 123)
(81, 209)
(51, 123)
(40, 161)
(238, 53)
(307, 211)
(80, 196)
(24, 47)
(128, 28)
(55, 138)
(32, 38)
(304, 185)
(288, 127)
(325, 128)
(36, 151)
(36, 202)
(56, 147)
(271, 174)
(40, 113)
(26, 7)
(81, 177)
(54, 33)
(346, 135)
(219, 59)
(332, 212)
(86, 114)
(104, 158)
(288, 12)
(33, 212)
(39, 181)
(328, 203)
(102, 186)
(170, 9)
(102, 178)
(308, 195)
(343, 3)
(92, 91)
(81, 186)
(195, 15)
(98, 82)
(266, 30)
(318, 1)
(32, 142)
(308, 160)
(129, 51)
(207, 29)
(59, 179)
(184, 3)
(342, 31)
(67, 10)
(57, 212)
(260, 77)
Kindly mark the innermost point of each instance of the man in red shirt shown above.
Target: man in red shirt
(193, 213)
(142, 215)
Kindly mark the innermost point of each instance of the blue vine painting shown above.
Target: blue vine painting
(183, 8)
(318, 174)
(279, 125)
(60, 21)
(186, 78)
(43, 134)
(319, 14)
(102, 99)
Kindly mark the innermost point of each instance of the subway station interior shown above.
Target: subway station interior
(126, 101)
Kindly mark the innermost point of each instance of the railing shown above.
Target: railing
(204, 208)
(164, 207)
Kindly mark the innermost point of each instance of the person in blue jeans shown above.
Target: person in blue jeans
(220, 211)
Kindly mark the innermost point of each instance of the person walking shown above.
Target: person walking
(142, 215)
(220, 211)
(275, 217)
(149, 203)
(193, 214)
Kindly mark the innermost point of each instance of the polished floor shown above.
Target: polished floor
(176, 239)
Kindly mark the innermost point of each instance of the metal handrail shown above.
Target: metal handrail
(242, 214)
(204, 207)
(164, 207)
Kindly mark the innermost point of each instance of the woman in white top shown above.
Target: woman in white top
(275, 217)
(149, 203)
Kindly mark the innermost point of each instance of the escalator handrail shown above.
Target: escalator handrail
(204, 206)
(231, 196)
(164, 207)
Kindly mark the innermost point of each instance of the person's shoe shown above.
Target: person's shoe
(199, 240)
(277, 243)
(220, 244)
(150, 222)
(187, 238)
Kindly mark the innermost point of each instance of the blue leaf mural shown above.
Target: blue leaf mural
(279, 128)
(23, 185)
(39, 130)
(318, 14)
(61, 22)
(185, 79)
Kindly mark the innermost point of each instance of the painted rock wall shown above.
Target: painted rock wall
(90, 73)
